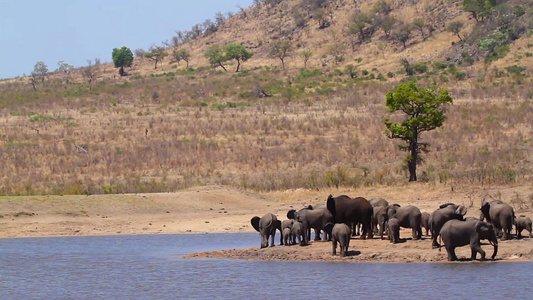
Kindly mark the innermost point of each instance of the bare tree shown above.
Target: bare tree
(90, 72)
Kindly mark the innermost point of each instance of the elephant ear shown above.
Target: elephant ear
(291, 214)
(255, 223)
(328, 228)
(330, 204)
(461, 210)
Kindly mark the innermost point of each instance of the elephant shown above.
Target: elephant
(340, 233)
(380, 215)
(297, 232)
(380, 219)
(393, 226)
(266, 226)
(457, 233)
(437, 219)
(408, 217)
(425, 221)
(522, 223)
(286, 224)
(352, 210)
(375, 202)
(311, 218)
(287, 236)
(499, 214)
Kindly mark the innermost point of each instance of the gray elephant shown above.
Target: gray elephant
(379, 220)
(287, 236)
(266, 226)
(375, 202)
(311, 218)
(499, 214)
(352, 211)
(297, 232)
(393, 226)
(340, 233)
(522, 223)
(440, 216)
(380, 217)
(425, 221)
(408, 217)
(286, 224)
(457, 233)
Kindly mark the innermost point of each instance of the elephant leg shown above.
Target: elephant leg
(272, 239)
(334, 245)
(317, 234)
(475, 249)
(451, 253)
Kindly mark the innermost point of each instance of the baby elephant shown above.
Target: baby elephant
(287, 236)
(339, 233)
(297, 232)
(522, 223)
(393, 227)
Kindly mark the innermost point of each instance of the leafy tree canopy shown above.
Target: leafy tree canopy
(238, 53)
(122, 57)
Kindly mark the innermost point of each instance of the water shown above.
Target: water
(153, 267)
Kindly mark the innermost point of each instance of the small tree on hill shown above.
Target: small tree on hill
(281, 50)
(306, 55)
(182, 54)
(455, 28)
(423, 112)
(156, 54)
(238, 53)
(40, 69)
(216, 57)
(122, 57)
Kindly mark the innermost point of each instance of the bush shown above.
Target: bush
(421, 67)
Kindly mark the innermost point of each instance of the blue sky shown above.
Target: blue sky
(75, 31)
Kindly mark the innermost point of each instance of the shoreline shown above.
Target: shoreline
(219, 209)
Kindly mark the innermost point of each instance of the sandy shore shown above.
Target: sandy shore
(217, 209)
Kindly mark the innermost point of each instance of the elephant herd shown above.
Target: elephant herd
(339, 217)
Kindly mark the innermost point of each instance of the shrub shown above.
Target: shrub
(421, 67)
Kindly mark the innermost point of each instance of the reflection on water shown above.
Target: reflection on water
(152, 267)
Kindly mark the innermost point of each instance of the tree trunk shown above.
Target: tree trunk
(411, 163)
(238, 66)
(222, 66)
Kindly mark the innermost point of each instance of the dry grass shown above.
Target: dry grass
(173, 128)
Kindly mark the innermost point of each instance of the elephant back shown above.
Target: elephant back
(346, 209)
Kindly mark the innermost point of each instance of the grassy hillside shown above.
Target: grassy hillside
(266, 128)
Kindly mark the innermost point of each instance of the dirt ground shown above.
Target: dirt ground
(216, 209)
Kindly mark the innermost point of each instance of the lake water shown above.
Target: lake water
(153, 267)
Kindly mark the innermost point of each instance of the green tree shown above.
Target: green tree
(156, 54)
(216, 57)
(306, 55)
(122, 57)
(281, 50)
(41, 69)
(403, 34)
(359, 23)
(238, 53)
(479, 8)
(455, 28)
(423, 112)
(182, 54)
